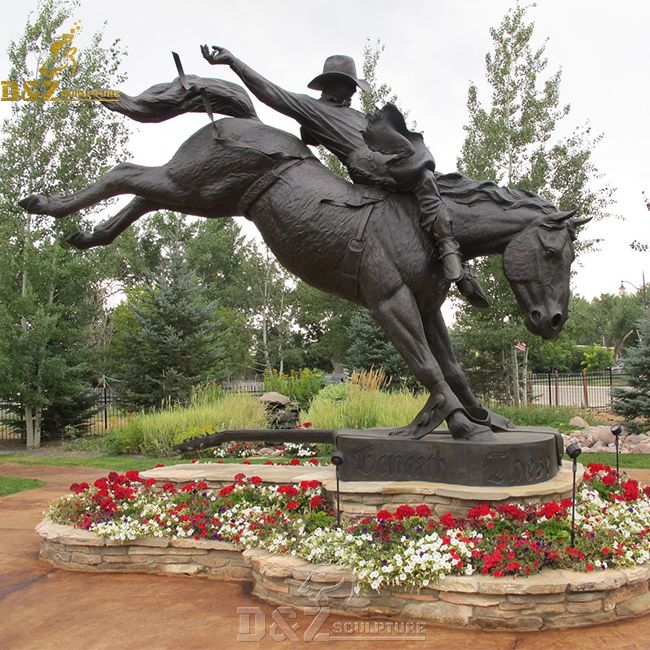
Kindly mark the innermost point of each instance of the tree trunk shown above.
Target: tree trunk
(515, 377)
(29, 427)
(37, 426)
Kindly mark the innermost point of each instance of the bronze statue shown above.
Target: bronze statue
(379, 151)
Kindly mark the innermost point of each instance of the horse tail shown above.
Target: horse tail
(166, 100)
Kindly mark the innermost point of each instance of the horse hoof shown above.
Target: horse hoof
(34, 203)
(462, 428)
(80, 240)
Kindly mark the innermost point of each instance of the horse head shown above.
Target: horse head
(537, 262)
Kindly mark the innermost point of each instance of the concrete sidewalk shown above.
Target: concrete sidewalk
(43, 608)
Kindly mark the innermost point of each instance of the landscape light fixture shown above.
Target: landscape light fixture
(573, 451)
(617, 430)
(337, 461)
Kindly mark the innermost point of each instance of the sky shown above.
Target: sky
(433, 49)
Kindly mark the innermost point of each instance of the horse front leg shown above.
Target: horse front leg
(400, 319)
(125, 178)
(438, 337)
(106, 231)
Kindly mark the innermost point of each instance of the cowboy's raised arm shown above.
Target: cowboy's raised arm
(281, 100)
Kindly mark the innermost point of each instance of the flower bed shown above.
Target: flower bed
(405, 547)
(498, 567)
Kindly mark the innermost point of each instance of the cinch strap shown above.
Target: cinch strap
(352, 257)
(262, 184)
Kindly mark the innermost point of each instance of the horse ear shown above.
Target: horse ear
(559, 217)
(580, 222)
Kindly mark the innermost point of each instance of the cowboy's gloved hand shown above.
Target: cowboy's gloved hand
(218, 56)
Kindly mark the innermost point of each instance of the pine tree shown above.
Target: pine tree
(633, 401)
(167, 338)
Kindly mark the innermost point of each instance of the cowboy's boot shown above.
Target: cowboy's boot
(470, 288)
(449, 254)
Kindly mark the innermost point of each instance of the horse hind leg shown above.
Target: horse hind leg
(125, 178)
(400, 318)
(106, 231)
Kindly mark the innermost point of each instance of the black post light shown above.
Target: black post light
(573, 451)
(337, 461)
(617, 430)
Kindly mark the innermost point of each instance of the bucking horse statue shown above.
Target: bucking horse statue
(358, 242)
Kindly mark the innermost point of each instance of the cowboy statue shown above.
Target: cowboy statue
(377, 150)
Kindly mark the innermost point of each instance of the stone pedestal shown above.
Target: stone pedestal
(518, 457)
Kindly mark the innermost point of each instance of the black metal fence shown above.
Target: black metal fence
(590, 390)
(107, 413)
(552, 388)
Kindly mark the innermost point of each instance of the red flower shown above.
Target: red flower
(292, 505)
(447, 520)
(101, 483)
(202, 486)
(403, 512)
(246, 462)
(288, 490)
(255, 480)
(159, 465)
(169, 487)
(423, 510)
(269, 462)
(589, 567)
(150, 481)
(194, 461)
(133, 475)
(239, 477)
(316, 501)
(226, 490)
(313, 461)
(79, 488)
(294, 461)
(306, 425)
(384, 515)
(481, 510)
(609, 479)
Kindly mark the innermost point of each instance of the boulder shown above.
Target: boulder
(641, 449)
(274, 399)
(600, 434)
(578, 422)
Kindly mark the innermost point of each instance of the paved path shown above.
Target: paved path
(44, 608)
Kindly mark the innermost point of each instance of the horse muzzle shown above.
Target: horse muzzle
(544, 323)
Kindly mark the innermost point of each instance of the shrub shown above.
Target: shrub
(299, 386)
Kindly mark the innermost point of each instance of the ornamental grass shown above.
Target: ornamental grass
(156, 433)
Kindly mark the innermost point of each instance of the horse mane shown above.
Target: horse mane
(467, 191)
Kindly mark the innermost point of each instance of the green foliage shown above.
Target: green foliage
(300, 386)
(13, 484)
(556, 417)
(513, 140)
(49, 292)
(157, 432)
(597, 358)
(633, 401)
(361, 408)
(368, 347)
(169, 340)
